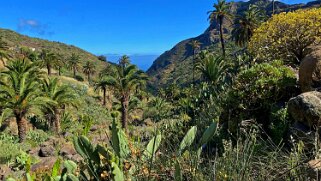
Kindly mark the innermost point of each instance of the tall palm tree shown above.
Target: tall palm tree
(74, 62)
(48, 60)
(89, 69)
(245, 25)
(221, 11)
(20, 92)
(62, 95)
(4, 47)
(196, 45)
(102, 84)
(124, 81)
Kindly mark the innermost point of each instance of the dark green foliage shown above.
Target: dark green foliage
(279, 125)
(79, 78)
(256, 90)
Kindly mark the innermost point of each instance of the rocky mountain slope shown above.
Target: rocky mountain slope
(171, 66)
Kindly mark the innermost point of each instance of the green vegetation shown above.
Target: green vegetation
(231, 123)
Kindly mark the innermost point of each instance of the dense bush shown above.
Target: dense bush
(256, 90)
(79, 78)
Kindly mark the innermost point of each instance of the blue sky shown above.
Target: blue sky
(110, 26)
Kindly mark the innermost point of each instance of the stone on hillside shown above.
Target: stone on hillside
(306, 108)
(310, 71)
(4, 171)
(67, 149)
(47, 149)
(44, 165)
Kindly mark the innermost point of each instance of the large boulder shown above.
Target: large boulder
(310, 70)
(306, 109)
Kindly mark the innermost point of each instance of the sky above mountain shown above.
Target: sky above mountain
(110, 26)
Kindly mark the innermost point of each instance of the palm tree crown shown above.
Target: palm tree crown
(62, 95)
(20, 92)
(125, 79)
(74, 62)
(245, 25)
(48, 60)
(89, 69)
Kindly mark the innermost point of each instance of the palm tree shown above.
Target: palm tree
(60, 63)
(20, 92)
(4, 47)
(48, 60)
(195, 46)
(221, 11)
(102, 84)
(245, 25)
(124, 60)
(89, 69)
(62, 95)
(125, 80)
(213, 69)
(74, 62)
(105, 71)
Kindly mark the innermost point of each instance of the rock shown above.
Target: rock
(314, 168)
(306, 108)
(300, 132)
(47, 149)
(94, 128)
(67, 149)
(310, 70)
(76, 158)
(34, 151)
(4, 171)
(44, 165)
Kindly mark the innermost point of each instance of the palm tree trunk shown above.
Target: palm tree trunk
(49, 69)
(193, 62)
(74, 72)
(59, 71)
(104, 96)
(22, 127)
(57, 121)
(88, 77)
(124, 110)
(221, 35)
(273, 6)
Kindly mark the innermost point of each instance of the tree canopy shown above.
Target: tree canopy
(287, 36)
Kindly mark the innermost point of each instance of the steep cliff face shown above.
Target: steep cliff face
(171, 66)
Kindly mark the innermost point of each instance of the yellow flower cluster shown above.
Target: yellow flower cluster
(287, 36)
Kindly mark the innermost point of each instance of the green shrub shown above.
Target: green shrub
(9, 149)
(36, 137)
(256, 90)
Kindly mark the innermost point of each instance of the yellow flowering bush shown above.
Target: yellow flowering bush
(287, 36)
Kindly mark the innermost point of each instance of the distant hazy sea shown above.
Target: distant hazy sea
(141, 60)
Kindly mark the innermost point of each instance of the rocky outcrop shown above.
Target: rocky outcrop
(44, 165)
(306, 109)
(310, 71)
